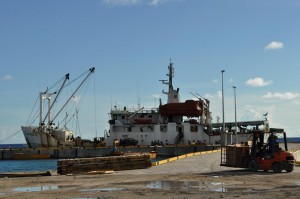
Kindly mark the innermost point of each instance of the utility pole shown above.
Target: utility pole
(236, 128)
(223, 129)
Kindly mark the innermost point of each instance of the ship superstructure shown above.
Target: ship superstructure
(175, 122)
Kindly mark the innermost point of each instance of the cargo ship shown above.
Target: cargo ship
(172, 123)
(46, 134)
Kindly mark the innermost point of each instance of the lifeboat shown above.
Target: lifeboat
(189, 108)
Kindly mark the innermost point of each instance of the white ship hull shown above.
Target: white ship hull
(37, 138)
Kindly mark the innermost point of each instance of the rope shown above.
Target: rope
(55, 84)
(76, 78)
(7, 138)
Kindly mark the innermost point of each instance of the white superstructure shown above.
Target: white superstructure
(172, 123)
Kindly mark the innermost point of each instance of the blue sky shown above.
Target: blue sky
(130, 42)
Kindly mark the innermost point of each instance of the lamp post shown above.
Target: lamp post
(223, 129)
(236, 137)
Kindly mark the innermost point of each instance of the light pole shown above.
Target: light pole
(223, 129)
(236, 137)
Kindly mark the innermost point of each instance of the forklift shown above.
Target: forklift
(261, 153)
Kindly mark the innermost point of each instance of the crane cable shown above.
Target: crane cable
(10, 136)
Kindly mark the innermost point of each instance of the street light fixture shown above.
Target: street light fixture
(223, 129)
(236, 137)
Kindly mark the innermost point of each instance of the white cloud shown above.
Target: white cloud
(156, 2)
(258, 82)
(76, 99)
(274, 45)
(254, 112)
(287, 95)
(219, 94)
(7, 77)
(215, 81)
(156, 96)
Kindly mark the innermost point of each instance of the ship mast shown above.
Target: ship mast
(173, 95)
(45, 95)
(49, 100)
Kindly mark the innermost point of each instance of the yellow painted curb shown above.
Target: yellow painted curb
(182, 157)
(173, 159)
(197, 153)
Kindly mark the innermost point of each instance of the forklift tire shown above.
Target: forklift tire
(276, 168)
(290, 168)
(266, 170)
(252, 165)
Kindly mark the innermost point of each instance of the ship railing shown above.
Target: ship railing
(131, 110)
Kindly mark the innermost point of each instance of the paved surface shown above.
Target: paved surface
(193, 177)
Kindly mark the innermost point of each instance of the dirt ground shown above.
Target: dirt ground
(193, 177)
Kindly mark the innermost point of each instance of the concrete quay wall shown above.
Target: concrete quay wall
(65, 153)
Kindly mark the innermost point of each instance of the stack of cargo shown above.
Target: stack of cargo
(235, 155)
(116, 163)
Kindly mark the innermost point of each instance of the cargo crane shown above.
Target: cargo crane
(261, 153)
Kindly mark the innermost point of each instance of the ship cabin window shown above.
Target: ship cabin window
(128, 129)
(194, 128)
(123, 117)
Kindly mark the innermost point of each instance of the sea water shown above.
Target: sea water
(13, 146)
(27, 165)
(290, 140)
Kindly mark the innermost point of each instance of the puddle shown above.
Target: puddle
(298, 183)
(216, 183)
(179, 185)
(40, 188)
(34, 189)
(220, 189)
(1, 194)
(105, 189)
